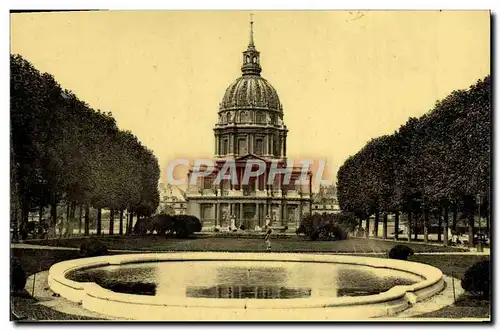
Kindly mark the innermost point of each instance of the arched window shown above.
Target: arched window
(273, 119)
(254, 59)
(245, 117)
(247, 59)
(261, 117)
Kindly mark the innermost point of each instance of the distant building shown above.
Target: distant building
(172, 200)
(325, 201)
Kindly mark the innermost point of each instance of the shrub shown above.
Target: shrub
(400, 252)
(477, 279)
(142, 226)
(242, 227)
(17, 276)
(184, 225)
(163, 224)
(91, 247)
(322, 227)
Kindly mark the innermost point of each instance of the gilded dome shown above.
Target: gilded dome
(251, 91)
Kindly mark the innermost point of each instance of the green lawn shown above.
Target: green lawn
(236, 244)
(34, 260)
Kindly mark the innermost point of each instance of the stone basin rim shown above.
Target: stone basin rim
(59, 283)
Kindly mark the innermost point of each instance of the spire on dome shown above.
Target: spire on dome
(251, 57)
(251, 32)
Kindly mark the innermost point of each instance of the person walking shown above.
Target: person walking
(268, 240)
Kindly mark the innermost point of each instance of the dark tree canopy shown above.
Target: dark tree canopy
(439, 159)
(62, 150)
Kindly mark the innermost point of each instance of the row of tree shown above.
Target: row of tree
(63, 151)
(433, 165)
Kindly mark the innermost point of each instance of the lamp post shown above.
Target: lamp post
(478, 202)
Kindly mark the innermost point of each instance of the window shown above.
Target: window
(242, 147)
(259, 147)
(245, 117)
(224, 146)
(207, 182)
(261, 118)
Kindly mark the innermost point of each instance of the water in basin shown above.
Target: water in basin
(245, 279)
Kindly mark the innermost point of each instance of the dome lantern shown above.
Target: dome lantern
(251, 57)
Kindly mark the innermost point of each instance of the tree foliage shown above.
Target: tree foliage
(62, 150)
(431, 162)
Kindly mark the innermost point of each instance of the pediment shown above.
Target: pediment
(250, 156)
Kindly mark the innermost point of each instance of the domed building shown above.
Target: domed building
(250, 127)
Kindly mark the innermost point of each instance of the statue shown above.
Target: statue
(232, 227)
(268, 221)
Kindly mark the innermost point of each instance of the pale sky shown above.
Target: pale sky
(342, 77)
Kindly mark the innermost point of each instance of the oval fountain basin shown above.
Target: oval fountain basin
(244, 286)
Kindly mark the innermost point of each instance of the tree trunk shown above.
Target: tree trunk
(68, 217)
(40, 213)
(111, 221)
(40, 216)
(87, 219)
(53, 218)
(396, 225)
(409, 225)
(15, 226)
(454, 224)
(384, 227)
(440, 224)
(445, 230)
(415, 232)
(426, 226)
(130, 223)
(24, 218)
(72, 218)
(375, 225)
(471, 229)
(121, 222)
(367, 233)
(99, 225)
(488, 224)
(80, 220)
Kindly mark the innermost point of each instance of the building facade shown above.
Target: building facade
(250, 127)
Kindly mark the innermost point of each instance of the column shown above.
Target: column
(216, 214)
(300, 213)
(285, 213)
(284, 145)
(258, 214)
(241, 215)
(201, 211)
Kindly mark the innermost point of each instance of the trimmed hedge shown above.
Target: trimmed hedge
(92, 247)
(17, 276)
(477, 279)
(181, 226)
(322, 227)
(400, 252)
